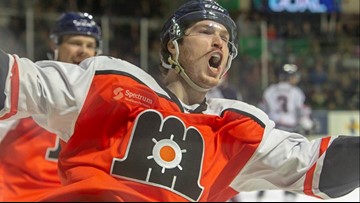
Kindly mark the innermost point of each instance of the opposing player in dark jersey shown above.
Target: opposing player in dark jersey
(127, 137)
(29, 153)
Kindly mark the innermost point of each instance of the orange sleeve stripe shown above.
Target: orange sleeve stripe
(310, 174)
(15, 84)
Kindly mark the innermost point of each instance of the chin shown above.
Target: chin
(210, 82)
(213, 85)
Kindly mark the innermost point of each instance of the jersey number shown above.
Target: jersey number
(52, 154)
(283, 100)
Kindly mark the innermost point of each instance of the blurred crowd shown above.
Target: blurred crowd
(326, 50)
(326, 47)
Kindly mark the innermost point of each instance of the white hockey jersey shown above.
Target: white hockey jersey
(285, 105)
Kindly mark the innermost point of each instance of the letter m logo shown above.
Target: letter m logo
(164, 153)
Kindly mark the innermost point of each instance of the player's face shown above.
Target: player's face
(76, 48)
(204, 52)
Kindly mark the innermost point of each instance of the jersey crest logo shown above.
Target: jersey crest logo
(163, 153)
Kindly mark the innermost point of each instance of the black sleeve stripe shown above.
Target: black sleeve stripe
(245, 114)
(4, 69)
(340, 172)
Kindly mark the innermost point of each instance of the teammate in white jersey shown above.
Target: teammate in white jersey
(284, 102)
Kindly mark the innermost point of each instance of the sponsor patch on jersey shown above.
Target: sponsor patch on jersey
(134, 95)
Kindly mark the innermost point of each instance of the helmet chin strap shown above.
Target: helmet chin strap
(180, 70)
(56, 54)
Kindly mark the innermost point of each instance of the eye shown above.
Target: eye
(75, 43)
(91, 46)
(206, 31)
(225, 38)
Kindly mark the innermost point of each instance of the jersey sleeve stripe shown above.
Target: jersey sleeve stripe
(310, 174)
(14, 96)
(247, 114)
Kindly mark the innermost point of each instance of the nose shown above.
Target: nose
(84, 50)
(218, 42)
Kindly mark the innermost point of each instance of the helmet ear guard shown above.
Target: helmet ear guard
(175, 30)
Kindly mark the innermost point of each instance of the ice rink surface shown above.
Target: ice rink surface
(278, 196)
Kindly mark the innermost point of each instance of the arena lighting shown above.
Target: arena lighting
(313, 6)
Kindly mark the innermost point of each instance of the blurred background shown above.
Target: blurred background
(320, 36)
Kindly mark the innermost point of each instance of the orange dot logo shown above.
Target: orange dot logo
(167, 153)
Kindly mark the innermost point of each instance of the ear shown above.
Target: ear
(171, 47)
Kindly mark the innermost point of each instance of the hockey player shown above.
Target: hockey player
(29, 153)
(284, 102)
(127, 137)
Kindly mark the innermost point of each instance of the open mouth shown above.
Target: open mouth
(215, 60)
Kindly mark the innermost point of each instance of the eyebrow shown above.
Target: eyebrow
(79, 40)
(211, 26)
